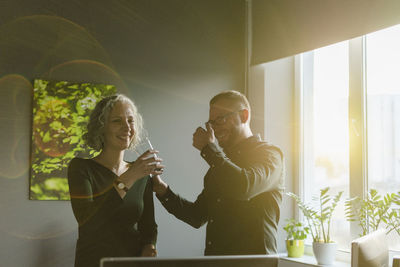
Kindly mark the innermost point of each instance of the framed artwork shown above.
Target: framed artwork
(61, 112)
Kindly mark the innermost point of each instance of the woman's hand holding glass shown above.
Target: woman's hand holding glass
(146, 164)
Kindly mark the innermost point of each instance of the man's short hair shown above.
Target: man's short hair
(236, 97)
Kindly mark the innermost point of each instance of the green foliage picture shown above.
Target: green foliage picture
(61, 112)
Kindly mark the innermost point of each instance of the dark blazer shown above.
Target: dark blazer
(240, 201)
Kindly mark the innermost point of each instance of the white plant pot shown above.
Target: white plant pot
(324, 252)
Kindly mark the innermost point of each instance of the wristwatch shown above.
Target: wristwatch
(120, 185)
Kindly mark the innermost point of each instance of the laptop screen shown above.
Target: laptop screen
(207, 261)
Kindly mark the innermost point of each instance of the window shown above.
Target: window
(350, 121)
(383, 112)
(327, 138)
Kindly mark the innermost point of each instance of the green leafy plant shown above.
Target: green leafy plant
(374, 211)
(296, 230)
(61, 111)
(319, 219)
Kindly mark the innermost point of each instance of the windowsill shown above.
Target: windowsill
(342, 259)
(308, 260)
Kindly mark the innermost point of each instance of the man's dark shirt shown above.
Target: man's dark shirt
(240, 201)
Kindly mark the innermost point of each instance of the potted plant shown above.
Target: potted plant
(319, 221)
(375, 210)
(296, 233)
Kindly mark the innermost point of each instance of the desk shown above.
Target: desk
(305, 261)
(206, 261)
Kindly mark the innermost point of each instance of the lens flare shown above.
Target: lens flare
(15, 92)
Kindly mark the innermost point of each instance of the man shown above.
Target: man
(243, 188)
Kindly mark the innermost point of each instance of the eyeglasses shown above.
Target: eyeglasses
(220, 120)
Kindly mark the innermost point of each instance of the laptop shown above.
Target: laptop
(206, 261)
(370, 250)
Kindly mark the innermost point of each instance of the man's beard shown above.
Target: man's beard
(228, 143)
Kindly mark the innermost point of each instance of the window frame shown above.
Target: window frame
(358, 149)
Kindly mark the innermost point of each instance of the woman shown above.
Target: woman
(112, 199)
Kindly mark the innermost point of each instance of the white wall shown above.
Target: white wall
(171, 57)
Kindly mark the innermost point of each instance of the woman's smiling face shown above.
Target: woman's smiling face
(119, 129)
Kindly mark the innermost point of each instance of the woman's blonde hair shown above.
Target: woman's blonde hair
(94, 137)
